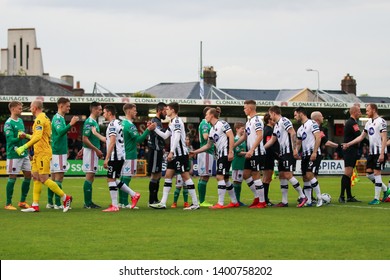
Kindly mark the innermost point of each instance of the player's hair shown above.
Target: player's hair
(93, 105)
(174, 106)
(238, 125)
(110, 108)
(250, 102)
(38, 104)
(275, 109)
(216, 112)
(373, 106)
(205, 109)
(266, 118)
(160, 106)
(300, 109)
(14, 104)
(62, 100)
(128, 106)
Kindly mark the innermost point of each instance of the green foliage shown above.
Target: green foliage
(332, 232)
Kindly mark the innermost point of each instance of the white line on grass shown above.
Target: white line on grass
(362, 207)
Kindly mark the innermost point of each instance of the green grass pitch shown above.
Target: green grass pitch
(354, 231)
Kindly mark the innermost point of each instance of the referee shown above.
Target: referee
(156, 146)
(351, 131)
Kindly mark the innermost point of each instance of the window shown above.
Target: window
(27, 55)
(21, 52)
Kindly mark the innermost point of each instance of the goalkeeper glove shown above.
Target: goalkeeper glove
(21, 149)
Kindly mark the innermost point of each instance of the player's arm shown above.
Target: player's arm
(9, 136)
(317, 136)
(35, 137)
(164, 135)
(356, 140)
(240, 140)
(62, 130)
(383, 148)
(293, 137)
(270, 142)
(230, 136)
(259, 138)
(331, 144)
(208, 145)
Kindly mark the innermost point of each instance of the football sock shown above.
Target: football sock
(25, 189)
(153, 189)
(112, 186)
(176, 194)
(37, 188)
(122, 186)
(185, 195)
(237, 190)
(123, 196)
(296, 186)
(251, 185)
(284, 189)
(316, 187)
(378, 186)
(202, 190)
(230, 190)
(87, 192)
(191, 191)
(221, 191)
(54, 187)
(57, 198)
(166, 190)
(266, 190)
(345, 186)
(307, 190)
(259, 190)
(10, 190)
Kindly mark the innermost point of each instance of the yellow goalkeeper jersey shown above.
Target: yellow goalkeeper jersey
(40, 138)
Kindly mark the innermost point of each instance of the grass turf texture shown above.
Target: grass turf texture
(351, 231)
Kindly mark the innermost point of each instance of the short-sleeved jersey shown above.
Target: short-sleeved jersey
(281, 133)
(41, 136)
(306, 133)
(351, 131)
(88, 124)
(156, 142)
(114, 128)
(177, 130)
(11, 130)
(132, 138)
(374, 128)
(252, 126)
(204, 127)
(218, 135)
(59, 137)
(238, 161)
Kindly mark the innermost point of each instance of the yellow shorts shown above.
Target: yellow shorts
(41, 164)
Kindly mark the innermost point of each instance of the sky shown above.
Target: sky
(129, 46)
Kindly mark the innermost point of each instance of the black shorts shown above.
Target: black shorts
(255, 163)
(350, 157)
(269, 161)
(310, 166)
(114, 168)
(373, 163)
(155, 161)
(286, 163)
(179, 164)
(223, 166)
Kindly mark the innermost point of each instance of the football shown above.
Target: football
(326, 198)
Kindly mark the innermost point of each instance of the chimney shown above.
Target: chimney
(209, 75)
(348, 84)
(78, 91)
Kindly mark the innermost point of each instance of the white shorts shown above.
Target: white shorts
(237, 175)
(90, 161)
(59, 163)
(129, 167)
(205, 164)
(15, 165)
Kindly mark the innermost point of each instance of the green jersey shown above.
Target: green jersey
(11, 130)
(205, 127)
(238, 161)
(88, 124)
(59, 137)
(132, 138)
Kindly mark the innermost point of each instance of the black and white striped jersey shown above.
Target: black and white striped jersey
(374, 128)
(218, 135)
(115, 129)
(305, 133)
(281, 132)
(178, 137)
(253, 125)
